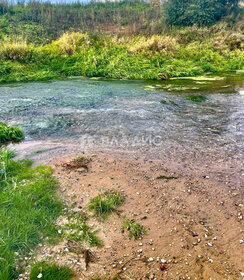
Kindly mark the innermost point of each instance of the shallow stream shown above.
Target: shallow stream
(191, 125)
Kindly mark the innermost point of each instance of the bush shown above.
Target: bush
(201, 12)
(155, 44)
(16, 50)
(70, 43)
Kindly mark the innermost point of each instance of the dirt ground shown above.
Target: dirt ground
(194, 224)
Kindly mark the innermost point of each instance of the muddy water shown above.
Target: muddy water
(192, 126)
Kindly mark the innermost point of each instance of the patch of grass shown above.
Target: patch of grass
(10, 134)
(78, 230)
(135, 230)
(83, 233)
(106, 203)
(28, 210)
(50, 271)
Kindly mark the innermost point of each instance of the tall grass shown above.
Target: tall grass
(28, 209)
(180, 52)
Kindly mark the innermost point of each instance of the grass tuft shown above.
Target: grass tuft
(10, 134)
(83, 233)
(78, 230)
(135, 230)
(106, 203)
(50, 271)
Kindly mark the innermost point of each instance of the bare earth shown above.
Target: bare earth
(194, 224)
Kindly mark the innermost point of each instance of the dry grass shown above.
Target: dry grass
(70, 43)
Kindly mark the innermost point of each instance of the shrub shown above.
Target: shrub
(70, 43)
(201, 12)
(16, 50)
(156, 44)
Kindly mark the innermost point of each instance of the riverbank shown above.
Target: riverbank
(181, 53)
(193, 224)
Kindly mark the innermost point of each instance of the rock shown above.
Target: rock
(151, 259)
(39, 276)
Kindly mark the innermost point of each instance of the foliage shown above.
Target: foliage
(156, 44)
(28, 209)
(42, 22)
(135, 230)
(106, 203)
(10, 133)
(201, 12)
(154, 57)
(50, 271)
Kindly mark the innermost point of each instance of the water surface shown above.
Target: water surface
(191, 125)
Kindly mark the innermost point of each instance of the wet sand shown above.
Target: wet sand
(194, 223)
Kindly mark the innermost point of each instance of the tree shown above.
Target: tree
(201, 12)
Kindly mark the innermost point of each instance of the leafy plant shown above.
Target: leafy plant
(135, 230)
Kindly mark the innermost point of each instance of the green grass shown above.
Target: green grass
(83, 233)
(106, 203)
(10, 134)
(50, 271)
(136, 231)
(78, 230)
(28, 210)
(154, 58)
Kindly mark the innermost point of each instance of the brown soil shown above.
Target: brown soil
(194, 224)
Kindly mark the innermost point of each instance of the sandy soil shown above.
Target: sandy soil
(194, 224)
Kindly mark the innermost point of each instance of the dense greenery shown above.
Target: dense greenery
(190, 51)
(41, 22)
(41, 41)
(28, 209)
(10, 134)
(200, 12)
(50, 271)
